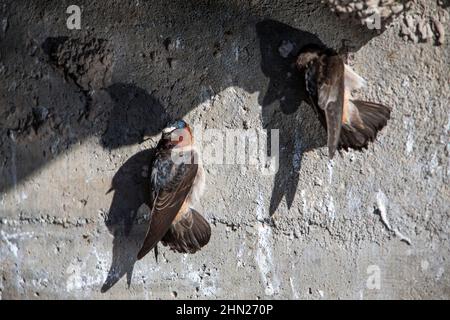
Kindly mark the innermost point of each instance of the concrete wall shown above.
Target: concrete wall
(80, 115)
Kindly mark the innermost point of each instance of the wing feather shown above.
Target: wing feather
(171, 183)
(331, 98)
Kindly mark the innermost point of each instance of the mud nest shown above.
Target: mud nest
(375, 14)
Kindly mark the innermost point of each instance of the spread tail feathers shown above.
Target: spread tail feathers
(189, 234)
(373, 116)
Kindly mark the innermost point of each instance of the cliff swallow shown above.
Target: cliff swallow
(329, 83)
(177, 181)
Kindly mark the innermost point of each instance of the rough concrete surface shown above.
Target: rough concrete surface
(80, 111)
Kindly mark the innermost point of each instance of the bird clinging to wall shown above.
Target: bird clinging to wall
(177, 181)
(329, 82)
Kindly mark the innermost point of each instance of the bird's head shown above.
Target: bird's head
(308, 55)
(179, 134)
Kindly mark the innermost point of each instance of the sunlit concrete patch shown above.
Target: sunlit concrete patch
(264, 254)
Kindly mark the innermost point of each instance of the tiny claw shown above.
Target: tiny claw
(156, 253)
(110, 189)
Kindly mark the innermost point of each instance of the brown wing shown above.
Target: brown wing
(331, 98)
(372, 118)
(174, 182)
(189, 234)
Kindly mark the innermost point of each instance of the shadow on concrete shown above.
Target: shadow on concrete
(135, 114)
(300, 130)
(284, 106)
(131, 190)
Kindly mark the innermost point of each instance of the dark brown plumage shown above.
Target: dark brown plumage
(189, 234)
(374, 116)
(174, 183)
(329, 83)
